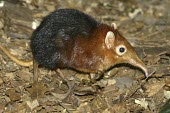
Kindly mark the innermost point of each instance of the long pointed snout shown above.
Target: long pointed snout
(138, 63)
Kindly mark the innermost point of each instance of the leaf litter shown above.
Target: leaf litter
(122, 89)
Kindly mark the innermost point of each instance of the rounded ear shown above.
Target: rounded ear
(109, 39)
(114, 26)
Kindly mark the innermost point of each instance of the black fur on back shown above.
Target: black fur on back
(54, 38)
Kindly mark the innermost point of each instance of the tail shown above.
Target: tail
(16, 60)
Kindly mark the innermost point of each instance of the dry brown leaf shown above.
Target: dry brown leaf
(25, 75)
(37, 90)
(1, 81)
(111, 82)
(17, 52)
(167, 82)
(16, 107)
(32, 104)
(13, 95)
(167, 94)
(117, 108)
(2, 107)
(10, 75)
(84, 108)
(142, 102)
(152, 89)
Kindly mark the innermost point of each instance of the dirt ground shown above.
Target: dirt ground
(145, 24)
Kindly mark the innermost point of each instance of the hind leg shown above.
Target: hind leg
(35, 71)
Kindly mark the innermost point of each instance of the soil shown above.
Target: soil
(145, 24)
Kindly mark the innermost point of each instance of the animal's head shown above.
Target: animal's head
(120, 50)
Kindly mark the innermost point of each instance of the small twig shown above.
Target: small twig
(162, 53)
(152, 34)
(150, 74)
(141, 76)
(134, 91)
(63, 107)
(144, 53)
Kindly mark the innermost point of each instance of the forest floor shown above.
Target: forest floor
(145, 24)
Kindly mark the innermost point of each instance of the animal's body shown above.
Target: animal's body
(68, 38)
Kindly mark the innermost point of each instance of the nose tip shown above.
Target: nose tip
(138, 63)
(144, 69)
(146, 74)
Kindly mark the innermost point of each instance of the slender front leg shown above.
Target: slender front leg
(70, 84)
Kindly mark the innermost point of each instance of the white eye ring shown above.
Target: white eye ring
(121, 50)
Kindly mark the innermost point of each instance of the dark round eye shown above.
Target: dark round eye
(122, 49)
